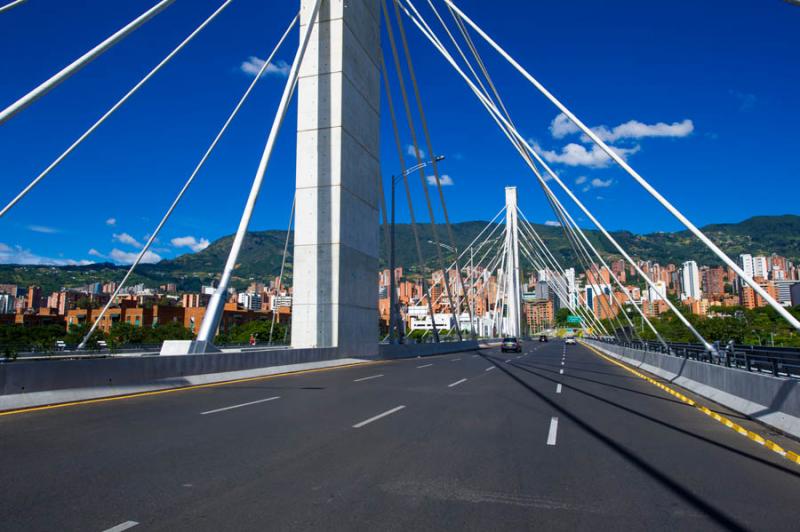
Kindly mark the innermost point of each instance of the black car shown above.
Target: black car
(511, 344)
(542, 337)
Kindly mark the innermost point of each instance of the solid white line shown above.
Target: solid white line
(122, 526)
(456, 383)
(561, 372)
(368, 378)
(551, 435)
(490, 368)
(558, 388)
(375, 418)
(239, 406)
(424, 366)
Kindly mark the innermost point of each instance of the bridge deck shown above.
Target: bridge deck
(335, 451)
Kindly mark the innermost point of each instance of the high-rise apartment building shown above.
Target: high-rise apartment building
(690, 281)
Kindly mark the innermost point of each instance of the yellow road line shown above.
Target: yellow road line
(172, 390)
(769, 444)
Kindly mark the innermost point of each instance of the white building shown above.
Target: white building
(659, 293)
(250, 300)
(746, 264)
(760, 267)
(690, 281)
(7, 304)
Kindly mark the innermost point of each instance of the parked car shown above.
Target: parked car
(570, 340)
(542, 337)
(511, 344)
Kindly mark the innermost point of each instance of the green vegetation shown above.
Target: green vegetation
(762, 326)
(263, 250)
(240, 334)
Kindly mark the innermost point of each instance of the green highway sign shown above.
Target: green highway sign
(573, 319)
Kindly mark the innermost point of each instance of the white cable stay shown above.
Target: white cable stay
(114, 108)
(554, 265)
(187, 184)
(536, 237)
(454, 303)
(511, 131)
(215, 306)
(11, 5)
(635, 175)
(283, 265)
(81, 62)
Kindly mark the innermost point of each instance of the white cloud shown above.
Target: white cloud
(445, 180)
(125, 238)
(633, 129)
(94, 253)
(552, 223)
(111, 221)
(126, 257)
(413, 153)
(561, 126)
(20, 255)
(599, 183)
(576, 155)
(581, 180)
(190, 242)
(43, 229)
(253, 66)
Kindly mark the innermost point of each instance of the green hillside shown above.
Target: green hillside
(262, 252)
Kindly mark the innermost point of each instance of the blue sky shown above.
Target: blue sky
(700, 95)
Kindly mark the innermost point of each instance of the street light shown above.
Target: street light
(394, 327)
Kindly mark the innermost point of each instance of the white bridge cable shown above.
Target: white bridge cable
(214, 309)
(588, 265)
(188, 182)
(401, 158)
(81, 62)
(511, 131)
(113, 108)
(454, 307)
(635, 175)
(547, 257)
(553, 200)
(483, 242)
(429, 145)
(11, 5)
(283, 265)
(479, 61)
(560, 284)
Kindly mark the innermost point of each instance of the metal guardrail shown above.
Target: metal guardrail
(779, 361)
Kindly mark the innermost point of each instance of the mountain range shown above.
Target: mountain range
(262, 252)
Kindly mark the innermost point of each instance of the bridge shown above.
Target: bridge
(341, 430)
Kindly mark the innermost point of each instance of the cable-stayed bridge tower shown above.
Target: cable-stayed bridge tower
(513, 289)
(338, 167)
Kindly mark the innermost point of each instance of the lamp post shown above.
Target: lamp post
(395, 334)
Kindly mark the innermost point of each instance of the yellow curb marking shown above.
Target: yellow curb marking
(769, 444)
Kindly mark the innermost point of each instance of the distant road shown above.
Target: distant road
(472, 441)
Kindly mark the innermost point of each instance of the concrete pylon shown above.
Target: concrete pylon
(513, 291)
(336, 229)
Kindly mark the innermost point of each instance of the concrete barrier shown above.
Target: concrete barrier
(25, 384)
(774, 401)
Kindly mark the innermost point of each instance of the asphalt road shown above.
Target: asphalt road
(473, 441)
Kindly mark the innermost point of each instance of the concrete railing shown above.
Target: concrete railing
(774, 401)
(34, 383)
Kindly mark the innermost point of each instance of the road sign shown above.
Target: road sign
(573, 319)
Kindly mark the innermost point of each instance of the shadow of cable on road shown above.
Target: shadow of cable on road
(664, 423)
(693, 500)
